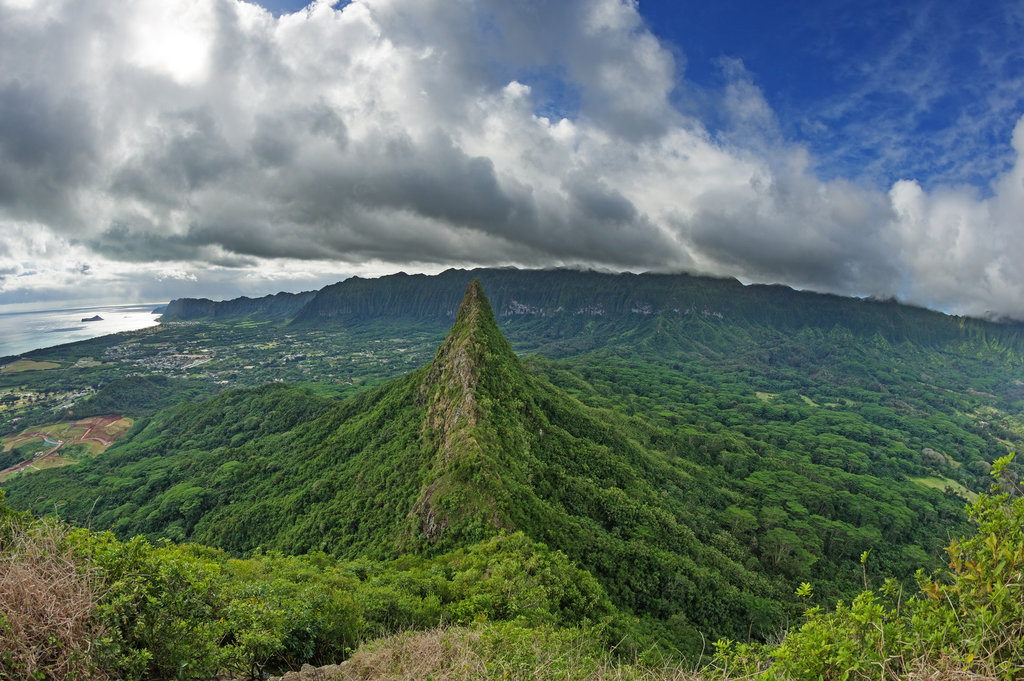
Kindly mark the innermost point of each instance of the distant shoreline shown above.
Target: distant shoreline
(26, 331)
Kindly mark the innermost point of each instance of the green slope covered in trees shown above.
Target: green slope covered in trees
(81, 605)
(655, 463)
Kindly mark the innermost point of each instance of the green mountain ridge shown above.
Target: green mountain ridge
(278, 306)
(648, 480)
(694, 533)
(457, 395)
(527, 300)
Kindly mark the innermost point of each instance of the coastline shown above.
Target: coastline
(23, 331)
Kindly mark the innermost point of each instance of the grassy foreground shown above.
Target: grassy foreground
(76, 605)
(499, 651)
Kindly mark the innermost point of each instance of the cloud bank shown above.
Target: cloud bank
(206, 147)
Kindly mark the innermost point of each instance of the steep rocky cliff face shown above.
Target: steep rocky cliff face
(570, 303)
(455, 425)
(279, 306)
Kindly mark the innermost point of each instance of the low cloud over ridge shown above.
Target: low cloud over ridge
(174, 145)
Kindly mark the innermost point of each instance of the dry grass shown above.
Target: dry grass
(46, 602)
(118, 428)
(415, 656)
(948, 673)
(460, 654)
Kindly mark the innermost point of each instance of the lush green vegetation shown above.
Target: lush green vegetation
(144, 611)
(698, 527)
(76, 604)
(702, 449)
(966, 622)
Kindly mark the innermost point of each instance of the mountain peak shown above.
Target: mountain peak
(475, 318)
(473, 347)
(473, 342)
(474, 303)
(471, 366)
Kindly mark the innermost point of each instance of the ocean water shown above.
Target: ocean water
(34, 329)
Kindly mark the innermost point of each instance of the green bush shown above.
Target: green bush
(186, 612)
(967, 621)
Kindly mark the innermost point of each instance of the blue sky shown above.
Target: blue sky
(213, 148)
(878, 90)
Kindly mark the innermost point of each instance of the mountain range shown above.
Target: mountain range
(568, 300)
(699, 446)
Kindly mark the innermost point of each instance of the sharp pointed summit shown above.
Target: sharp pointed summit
(474, 372)
(474, 305)
(474, 348)
(474, 337)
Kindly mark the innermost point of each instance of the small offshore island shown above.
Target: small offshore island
(94, 318)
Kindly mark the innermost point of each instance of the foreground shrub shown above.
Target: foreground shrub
(966, 622)
(76, 604)
(46, 605)
(81, 605)
(189, 612)
(506, 578)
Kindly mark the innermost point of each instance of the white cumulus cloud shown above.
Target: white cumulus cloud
(207, 143)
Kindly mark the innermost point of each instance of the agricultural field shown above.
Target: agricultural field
(59, 444)
(28, 365)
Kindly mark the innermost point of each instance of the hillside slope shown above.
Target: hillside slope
(477, 443)
(563, 302)
(279, 306)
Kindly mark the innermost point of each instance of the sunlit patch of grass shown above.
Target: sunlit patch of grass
(28, 365)
(44, 462)
(941, 483)
(118, 428)
(12, 441)
(501, 651)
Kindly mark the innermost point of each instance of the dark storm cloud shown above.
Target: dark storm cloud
(212, 137)
(40, 135)
(46, 149)
(600, 203)
(270, 144)
(435, 180)
(121, 243)
(833, 238)
(190, 153)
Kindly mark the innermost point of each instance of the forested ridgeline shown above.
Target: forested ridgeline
(81, 605)
(568, 299)
(279, 306)
(698, 509)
